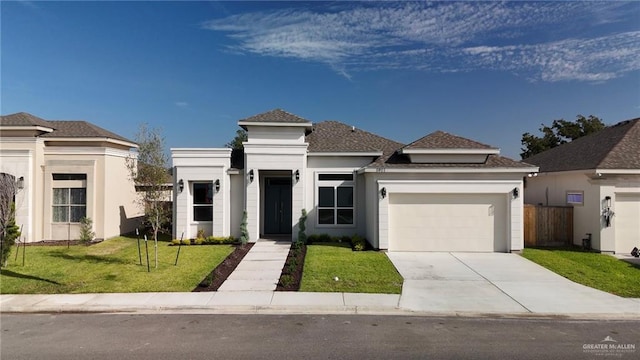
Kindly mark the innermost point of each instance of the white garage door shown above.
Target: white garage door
(627, 222)
(448, 222)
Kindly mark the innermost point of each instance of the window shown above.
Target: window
(203, 201)
(69, 176)
(335, 199)
(575, 197)
(69, 204)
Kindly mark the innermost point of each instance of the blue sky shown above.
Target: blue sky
(488, 71)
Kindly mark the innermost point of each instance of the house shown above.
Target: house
(66, 170)
(439, 193)
(599, 175)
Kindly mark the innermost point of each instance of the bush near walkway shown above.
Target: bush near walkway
(110, 266)
(599, 271)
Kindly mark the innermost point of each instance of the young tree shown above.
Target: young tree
(9, 231)
(560, 132)
(236, 143)
(149, 171)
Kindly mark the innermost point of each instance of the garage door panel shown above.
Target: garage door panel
(627, 222)
(447, 222)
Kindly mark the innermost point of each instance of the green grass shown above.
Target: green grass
(357, 271)
(599, 271)
(110, 266)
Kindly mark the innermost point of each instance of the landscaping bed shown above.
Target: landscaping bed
(217, 276)
(291, 276)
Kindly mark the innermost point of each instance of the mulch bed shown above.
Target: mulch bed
(292, 272)
(214, 280)
(60, 243)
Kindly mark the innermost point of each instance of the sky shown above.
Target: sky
(488, 71)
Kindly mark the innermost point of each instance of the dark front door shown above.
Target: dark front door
(277, 206)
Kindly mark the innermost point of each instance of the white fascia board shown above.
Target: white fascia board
(451, 151)
(15, 152)
(86, 150)
(617, 171)
(279, 124)
(275, 149)
(39, 128)
(360, 154)
(200, 152)
(449, 186)
(449, 170)
(106, 139)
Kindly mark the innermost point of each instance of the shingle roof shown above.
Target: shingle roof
(614, 147)
(493, 161)
(334, 136)
(80, 129)
(443, 140)
(277, 116)
(23, 119)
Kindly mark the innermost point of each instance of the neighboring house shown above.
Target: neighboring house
(439, 193)
(599, 175)
(67, 170)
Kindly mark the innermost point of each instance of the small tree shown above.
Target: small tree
(236, 143)
(302, 227)
(9, 231)
(86, 230)
(244, 233)
(560, 132)
(149, 170)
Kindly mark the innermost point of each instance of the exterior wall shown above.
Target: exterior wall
(551, 189)
(378, 214)
(121, 208)
(334, 164)
(201, 165)
(236, 203)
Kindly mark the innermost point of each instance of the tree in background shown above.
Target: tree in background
(9, 231)
(236, 143)
(149, 171)
(560, 132)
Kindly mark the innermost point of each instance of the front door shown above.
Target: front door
(277, 206)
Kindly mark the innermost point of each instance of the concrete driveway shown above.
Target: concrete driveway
(496, 283)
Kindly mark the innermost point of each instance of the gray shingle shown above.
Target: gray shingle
(614, 147)
(277, 116)
(23, 119)
(443, 140)
(80, 129)
(334, 136)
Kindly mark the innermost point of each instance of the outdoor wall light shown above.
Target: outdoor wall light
(297, 175)
(20, 183)
(217, 185)
(251, 175)
(515, 193)
(383, 192)
(180, 185)
(607, 201)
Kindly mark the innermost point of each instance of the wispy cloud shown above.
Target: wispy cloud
(443, 37)
(182, 104)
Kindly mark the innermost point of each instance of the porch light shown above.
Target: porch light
(180, 185)
(607, 201)
(297, 175)
(251, 175)
(383, 192)
(217, 184)
(515, 193)
(20, 183)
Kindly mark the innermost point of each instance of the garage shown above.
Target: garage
(627, 222)
(448, 222)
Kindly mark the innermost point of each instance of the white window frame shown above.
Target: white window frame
(335, 184)
(194, 205)
(576, 192)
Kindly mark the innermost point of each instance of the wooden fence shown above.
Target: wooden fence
(548, 225)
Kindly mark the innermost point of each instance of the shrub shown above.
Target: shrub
(286, 280)
(86, 230)
(244, 237)
(175, 241)
(302, 227)
(220, 240)
(345, 239)
(312, 238)
(324, 238)
(186, 242)
(200, 234)
(199, 241)
(358, 243)
(291, 268)
(12, 232)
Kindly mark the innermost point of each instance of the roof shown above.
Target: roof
(81, 129)
(493, 162)
(276, 116)
(614, 147)
(23, 119)
(443, 140)
(334, 136)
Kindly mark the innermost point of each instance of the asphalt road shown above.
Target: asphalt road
(179, 336)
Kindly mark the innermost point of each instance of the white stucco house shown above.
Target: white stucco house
(66, 170)
(599, 175)
(439, 193)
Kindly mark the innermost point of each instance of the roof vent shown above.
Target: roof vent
(353, 129)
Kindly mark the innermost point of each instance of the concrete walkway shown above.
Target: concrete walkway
(260, 269)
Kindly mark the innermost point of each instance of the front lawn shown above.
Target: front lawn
(599, 271)
(357, 271)
(110, 266)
